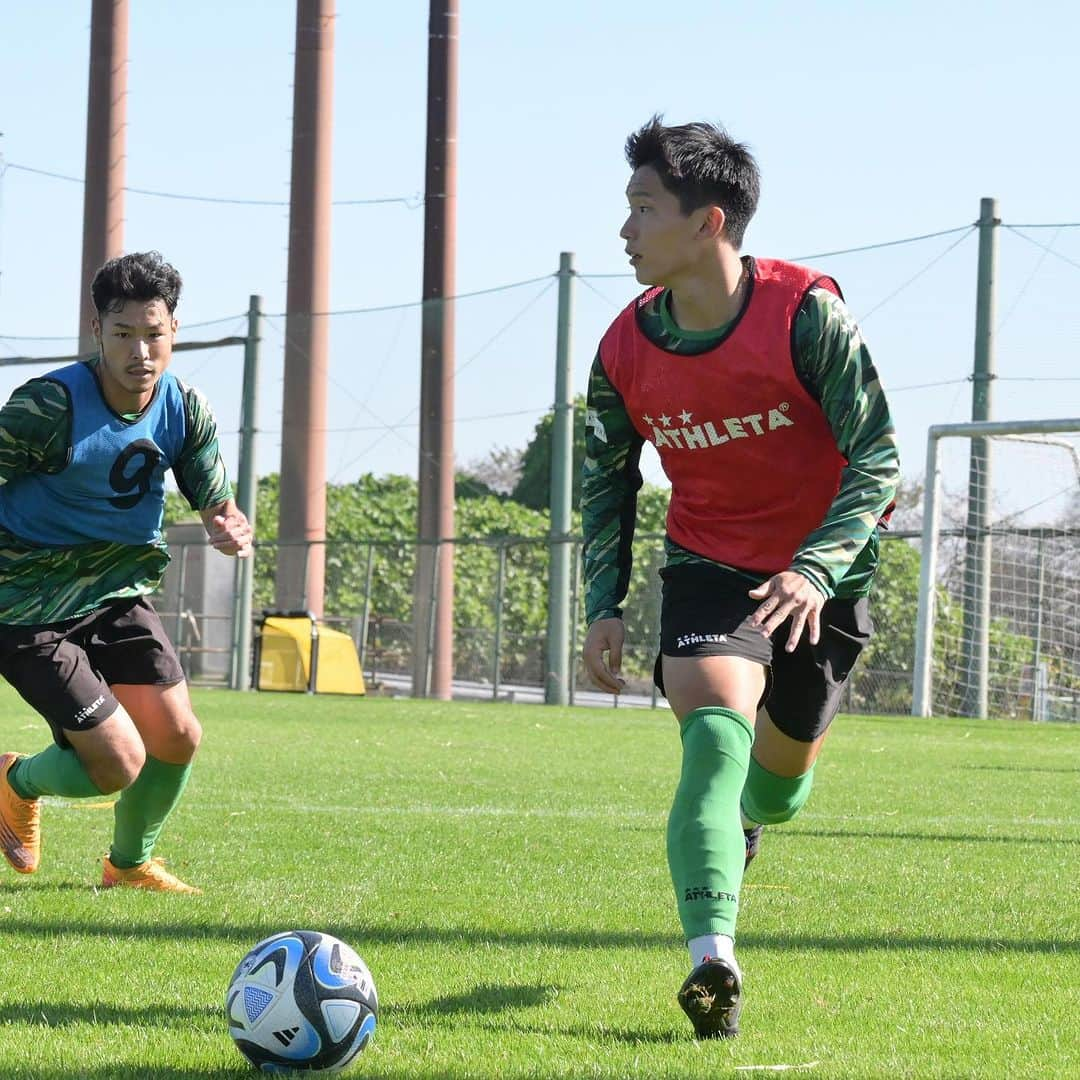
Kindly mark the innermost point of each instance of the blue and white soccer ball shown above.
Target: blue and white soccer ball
(301, 1001)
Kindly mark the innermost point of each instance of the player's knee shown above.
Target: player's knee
(770, 799)
(179, 744)
(192, 735)
(119, 769)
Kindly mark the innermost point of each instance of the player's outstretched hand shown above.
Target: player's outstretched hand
(785, 595)
(605, 636)
(230, 533)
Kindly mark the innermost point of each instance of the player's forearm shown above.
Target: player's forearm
(867, 489)
(866, 492)
(200, 472)
(610, 483)
(835, 365)
(606, 564)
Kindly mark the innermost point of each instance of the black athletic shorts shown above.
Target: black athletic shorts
(706, 611)
(64, 669)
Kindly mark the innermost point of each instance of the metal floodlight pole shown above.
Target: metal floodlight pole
(557, 683)
(301, 576)
(106, 124)
(977, 562)
(433, 656)
(246, 498)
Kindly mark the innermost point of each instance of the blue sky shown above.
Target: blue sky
(871, 122)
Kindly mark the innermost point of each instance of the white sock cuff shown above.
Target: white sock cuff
(712, 946)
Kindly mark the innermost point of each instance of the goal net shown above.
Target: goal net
(998, 630)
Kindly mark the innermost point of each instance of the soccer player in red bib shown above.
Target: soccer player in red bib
(83, 456)
(752, 381)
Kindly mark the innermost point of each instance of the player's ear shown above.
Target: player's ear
(712, 226)
(95, 328)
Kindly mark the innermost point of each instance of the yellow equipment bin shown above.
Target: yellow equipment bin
(294, 651)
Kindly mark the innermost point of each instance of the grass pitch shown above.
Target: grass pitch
(502, 870)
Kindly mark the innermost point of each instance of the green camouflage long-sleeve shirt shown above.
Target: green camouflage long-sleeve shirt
(43, 585)
(832, 361)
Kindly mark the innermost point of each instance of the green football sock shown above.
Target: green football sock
(769, 799)
(54, 771)
(142, 810)
(705, 843)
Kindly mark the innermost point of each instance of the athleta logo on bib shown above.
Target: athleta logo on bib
(679, 432)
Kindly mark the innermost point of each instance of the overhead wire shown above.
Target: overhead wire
(411, 201)
(411, 423)
(884, 244)
(915, 277)
(375, 378)
(1027, 284)
(420, 303)
(460, 368)
(1046, 248)
(587, 278)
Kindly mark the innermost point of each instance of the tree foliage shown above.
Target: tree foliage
(533, 489)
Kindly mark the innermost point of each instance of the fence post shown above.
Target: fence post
(433, 614)
(1039, 700)
(366, 612)
(246, 498)
(181, 588)
(575, 588)
(500, 580)
(562, 486)
(307, 563)
(922, 685)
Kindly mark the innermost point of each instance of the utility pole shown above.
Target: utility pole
(977, 562)
(106, 132)
(301, 558)
(247, 491)
(557, 682)
(433, 602)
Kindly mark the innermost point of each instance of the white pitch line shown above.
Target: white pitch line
(614, 813)
(776, 1068)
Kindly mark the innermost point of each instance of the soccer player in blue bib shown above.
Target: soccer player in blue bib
(83, 454)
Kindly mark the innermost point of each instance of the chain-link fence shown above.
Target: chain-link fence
(500, 615)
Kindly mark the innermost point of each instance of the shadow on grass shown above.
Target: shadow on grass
(37, 885)
(856, 943)
(594, 1035)
(1021, 768)
(487, 998)
(362, 935)
(132, 1072)
(951, 838)
(52, 1015)
(494, 998)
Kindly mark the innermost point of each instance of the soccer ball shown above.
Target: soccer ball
(301, 1001)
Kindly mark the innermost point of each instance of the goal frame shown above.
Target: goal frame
(922, 684)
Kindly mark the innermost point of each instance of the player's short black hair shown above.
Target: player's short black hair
(142, 275)
(702, 165)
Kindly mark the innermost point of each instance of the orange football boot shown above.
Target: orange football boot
(148, 875)
(20, 823)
